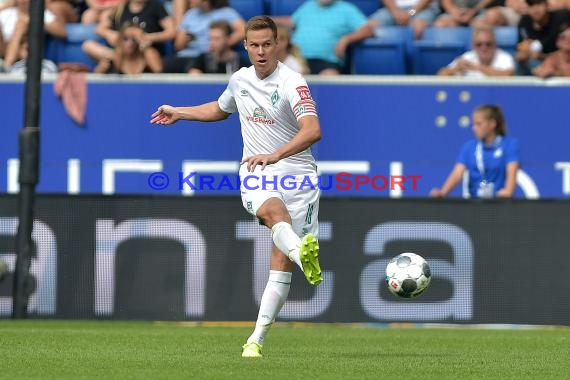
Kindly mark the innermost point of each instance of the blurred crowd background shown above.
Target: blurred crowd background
(320, 37)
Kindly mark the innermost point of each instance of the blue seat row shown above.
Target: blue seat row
(393, 50)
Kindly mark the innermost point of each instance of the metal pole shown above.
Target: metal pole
(29, 141)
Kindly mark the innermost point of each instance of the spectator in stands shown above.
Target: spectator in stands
(132, 55)
(20, 66)
(289, 53)
(323, 30)
(558, 4)
(418, 14)
(461, 13)
(99, 10)
(66, 10)
(557, 63)
(491, 160)
(150, 15)
(538, 31)
(504, 13)
(179, 9)
(14, 23)
(486, 59)
(192, 35)
(221, 58)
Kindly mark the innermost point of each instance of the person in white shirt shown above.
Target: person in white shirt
(289, 53)
(485, 60)
(14, 25)
(279, 123)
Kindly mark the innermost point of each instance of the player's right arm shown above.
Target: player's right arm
(207, 112)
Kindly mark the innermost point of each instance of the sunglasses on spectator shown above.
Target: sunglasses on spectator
(484, 43)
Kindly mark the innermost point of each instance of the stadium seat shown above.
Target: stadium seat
(507, 38)
(438, 47)
(50, 48)
(284, 7)
(69, 50)
(385, 53)
(248, 8)
(367, 6)
(240, 49)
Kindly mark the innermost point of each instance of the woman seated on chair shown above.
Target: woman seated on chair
(132, 55)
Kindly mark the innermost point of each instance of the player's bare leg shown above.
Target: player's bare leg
(304, 252)
(287, 247)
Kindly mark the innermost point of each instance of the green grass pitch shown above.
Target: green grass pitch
(35, 349)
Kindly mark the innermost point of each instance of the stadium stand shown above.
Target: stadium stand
(248, 8)
(392, 51)
(507, 38)
(367, 6)
(385, 53)
(283, 7)
(287, 7)
(438, 47)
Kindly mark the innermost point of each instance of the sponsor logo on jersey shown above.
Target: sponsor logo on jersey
(244, 93)
(259, 112)
(304, 92)
(260, 116)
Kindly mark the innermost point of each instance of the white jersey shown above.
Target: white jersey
(501, 61)
(269, 110)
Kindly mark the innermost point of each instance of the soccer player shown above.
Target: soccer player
(279, 124)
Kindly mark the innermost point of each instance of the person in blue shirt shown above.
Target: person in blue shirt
(323, 30)
(491, 159)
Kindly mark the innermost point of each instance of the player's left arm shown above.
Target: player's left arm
(309, 133)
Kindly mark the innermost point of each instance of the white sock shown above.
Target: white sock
(274, 296)
(287, 241)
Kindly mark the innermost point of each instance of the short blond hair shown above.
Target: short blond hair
(260, 23)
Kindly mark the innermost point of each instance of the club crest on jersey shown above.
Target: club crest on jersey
(274, 98)
(304, 92)
(260, 116)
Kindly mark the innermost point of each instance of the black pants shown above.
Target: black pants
(178, 64)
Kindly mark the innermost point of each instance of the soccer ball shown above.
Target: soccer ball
(408, 275)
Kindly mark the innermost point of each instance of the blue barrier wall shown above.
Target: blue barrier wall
(374, 126)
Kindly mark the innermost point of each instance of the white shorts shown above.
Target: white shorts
(299, 193)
